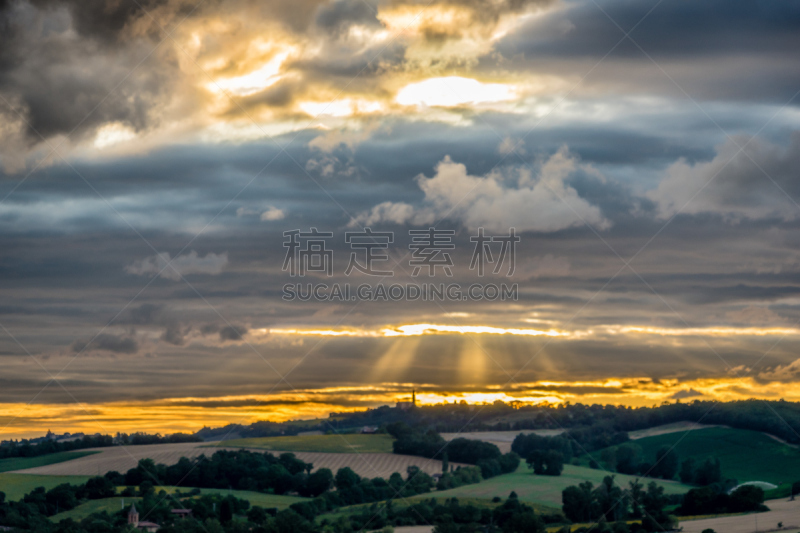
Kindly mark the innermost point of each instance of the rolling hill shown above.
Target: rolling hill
(745, 455)
(541, 490)
(341, 443)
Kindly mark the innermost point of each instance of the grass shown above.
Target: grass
(745, 455)
(15, 486)
(255, 498)
(541, 490)
(400, 503)
(21, 463)
(352, 443)
(543, 493)
(110, 505)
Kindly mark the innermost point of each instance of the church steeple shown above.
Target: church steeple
(133, 516)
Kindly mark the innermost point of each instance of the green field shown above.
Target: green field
(15, 486)
(258, 498)
(541, 490)
(744, 455)
(351, 443)
(111, 505)
(401, 504)
(255, 498)
(20, 463)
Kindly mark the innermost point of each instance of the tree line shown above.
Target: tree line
(485, 455)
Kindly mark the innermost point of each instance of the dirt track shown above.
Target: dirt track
(675, 427)
(122, 459)
(780, 511)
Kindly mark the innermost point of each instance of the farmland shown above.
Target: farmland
(119, 458)
(737, 450)
(782, 511)
(110, 505)
(340, 443)
(542, 490)
(501, 439)
(122, 459)
(19, 463)
(15, 486)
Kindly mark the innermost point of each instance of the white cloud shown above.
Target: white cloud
(394, 213)
(350, 139)
(735, 184)
(542, 203)
(273, 213)
(243, 211)
(212, 264)
(788, 372)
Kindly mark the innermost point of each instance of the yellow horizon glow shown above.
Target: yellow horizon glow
(189, 414)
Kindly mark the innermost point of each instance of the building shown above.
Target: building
(369, 430)
(405, 406)
(183, 513)
(133, 519)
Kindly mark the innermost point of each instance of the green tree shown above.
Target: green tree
(319, 482)
(346, 478)
(628, 457)
(667, 463)
(546, 462)
(687, 471)
(577, 502)
(636, 494)
(795, 489)
(257, 515)
(709, 472)
(226, 511)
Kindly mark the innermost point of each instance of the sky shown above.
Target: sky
(156, 156)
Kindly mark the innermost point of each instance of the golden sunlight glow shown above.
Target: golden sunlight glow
(321, 332)
(253, 82)
(413, 330)
(425, 329)
(710, 332)
(340, 108)
(190, 414)
(453, 91)
(113, 133)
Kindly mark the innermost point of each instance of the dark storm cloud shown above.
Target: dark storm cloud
(232, 333)
(101, 19)
(175, 334)
(672, 29)
(144, 314)
(119, 344)
(703, 46)
(733, 247)
(61, 81)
